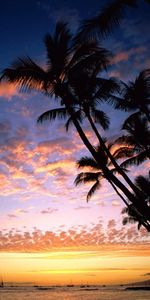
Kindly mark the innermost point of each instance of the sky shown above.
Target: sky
(48, 232)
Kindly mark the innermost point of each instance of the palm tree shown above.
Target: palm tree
(137, 137)
(132, 214)
(88, 91)
(136, 95)
(66, 66)
(96, 174)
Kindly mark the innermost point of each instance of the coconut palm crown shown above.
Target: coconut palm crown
(136, 95)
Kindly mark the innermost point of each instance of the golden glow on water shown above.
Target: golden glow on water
(107, 265)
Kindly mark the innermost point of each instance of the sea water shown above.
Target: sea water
(71, 293)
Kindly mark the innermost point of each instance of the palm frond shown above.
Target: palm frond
(68, 123)
(123, 152)
(135, 160)
(144, 184)
(134, 122)
(58, 49)
(26, 74)
(85, 177)
(133, 216)
(91, 62)
(130, 220)
(105, 88)
(101, 118)
(93, 189)
(127, 140)
(78, 115)
(131, 119)
(136, 94)
(138, 131)
(90, 49)
(104, 23)
(87, 162)
(51, 115)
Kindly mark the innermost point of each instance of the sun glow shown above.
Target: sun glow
(107, 265)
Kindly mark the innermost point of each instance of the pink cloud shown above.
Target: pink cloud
(82, 207)
(125, 55)
(49, 211)
(12, 216)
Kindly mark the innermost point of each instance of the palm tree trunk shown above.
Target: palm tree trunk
(143, 209)
(120, 171)
(142, 206)
(144, 223)
(107, 173)
(119, 194)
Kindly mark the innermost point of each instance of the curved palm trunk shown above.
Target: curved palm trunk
(120, 171)
(119, 194)
(144, 223)
(107, 173)
(143, 209)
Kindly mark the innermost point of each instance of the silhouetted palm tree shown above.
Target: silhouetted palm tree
(136, 95)
(88, 94)
(137, 137)
(143, 182)
(133, 215)
(66, 66)
(89, 91)
(96, 174)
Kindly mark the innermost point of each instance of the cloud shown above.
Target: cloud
(12, 216)
(8, 90)
(124, 56)
(29, 166)
(115, 203)
(126, 64)
(82, 207)
(76, 237)
(21, 211)
(49, 211)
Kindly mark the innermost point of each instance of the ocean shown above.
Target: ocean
(71, 293)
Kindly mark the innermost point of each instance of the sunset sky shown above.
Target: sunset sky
(48, 233)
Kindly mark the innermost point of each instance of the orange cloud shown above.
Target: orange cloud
(80, 237)
(8, 90)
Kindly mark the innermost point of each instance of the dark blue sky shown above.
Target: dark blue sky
(23, 25)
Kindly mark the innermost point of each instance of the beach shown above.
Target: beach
(72, 293)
